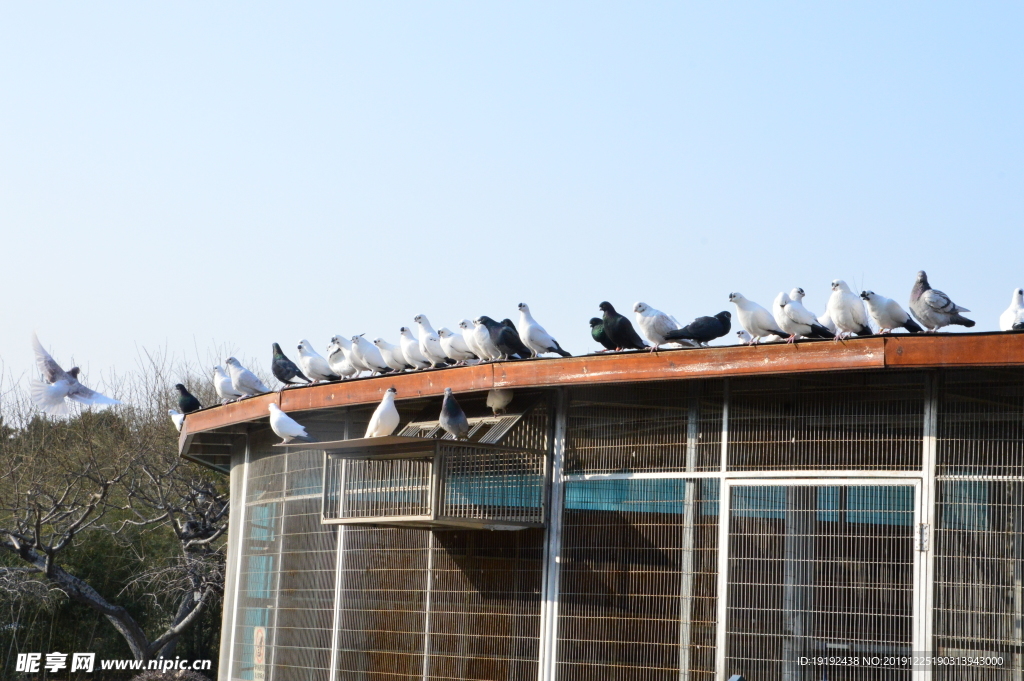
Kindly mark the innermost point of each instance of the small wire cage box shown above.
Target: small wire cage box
(433, 483)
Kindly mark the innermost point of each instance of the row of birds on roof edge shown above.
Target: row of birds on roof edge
(485, 340)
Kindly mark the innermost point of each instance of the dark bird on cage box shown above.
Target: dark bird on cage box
(453, 419)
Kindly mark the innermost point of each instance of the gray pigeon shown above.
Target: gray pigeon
(933, 308)
(453, 419)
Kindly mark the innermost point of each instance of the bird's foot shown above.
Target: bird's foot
(791, 339)
(653, 348)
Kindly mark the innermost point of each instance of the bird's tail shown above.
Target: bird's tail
(49, 398)
(962, 321)
(912, 326)
(819, 331)
(864, 331)
(678, 334)
(559, 350)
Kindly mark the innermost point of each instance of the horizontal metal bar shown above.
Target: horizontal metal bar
(741, 475)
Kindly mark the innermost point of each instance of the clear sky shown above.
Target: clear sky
(190, 175)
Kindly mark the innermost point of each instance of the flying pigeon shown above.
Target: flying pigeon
(243, 380)
(430, 342)
(346, 348)
(285, 427)
(411, 349)
(534, 337)
(392, 354)
(933, 308)
(177, 418)
(455, 346)
(498, 399)
(510, 343)
(598, 334)
(58, 384)
(314, 364)
(338, 359)
(846, 310)
(485, 339)
(284, 369)
(453, 419)
(796, 320)
(1013, 314)
(703, 330)
(468, 331)
(888, 314)
(619, 330)
(758, 321)
(187, 402)
(385, 417)
(222, 384)
(654, 323)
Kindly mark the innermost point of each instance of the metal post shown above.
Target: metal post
(339, 560)
(552, 546)
(689, 512)
(798, 556)
(725, 425)
(722, 609)
(240, 528)
(426, 605)
(924, 617)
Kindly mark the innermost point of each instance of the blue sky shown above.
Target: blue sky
(186, 176)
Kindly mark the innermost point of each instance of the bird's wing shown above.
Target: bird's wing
(895, 313)
(248, 380)
(662, 324)
(48, 367)
(289, 426)
(79, 393)
(937, 300)
(860, 315)
(800, 314)
(50, 398)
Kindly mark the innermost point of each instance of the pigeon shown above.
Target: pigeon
(314, 364)
(797, 296)
(534, 337)
(509, 341)
(758, 321)
(58, 384)
(346, 348)
(703, 330)
(339, 362)
(284, 369)
(796, 320)
(430, 342)
(187, 402)
(468, 331)
(243, 380)
(846, 310)
(385, 416)
(455, 346)
(598, 334)
(411, 349)
(392, 354)
(1013, 314)
(482, 335)
(453, 419)
(177, 418)
(654, 323)
(933, 308)
(888, 314)
(744, 337)
(368, 354)
(222, 384)
(619, 330)
(826, 321)
(285, 427)
(498, 399)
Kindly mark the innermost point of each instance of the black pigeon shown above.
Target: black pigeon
(453, 419)
(598, 334)
(513, 341)
(620, 330)
(187, 402)
(284, 369)
(703, 329)
(501, 336)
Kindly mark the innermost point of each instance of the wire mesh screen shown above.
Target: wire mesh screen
(638, 580)
(485, 605)
(386, 488)
(979, 577)
(865, 421)
(489, 484)
(645, 427)
(819, 570)
(981, 423)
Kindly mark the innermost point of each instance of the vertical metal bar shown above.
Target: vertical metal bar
(797, 558)
(546, 667)
(925, 614)
(339, 585)
(725, 425)
(724, 496)
(426, 605)
(689, 512)
(238, 559)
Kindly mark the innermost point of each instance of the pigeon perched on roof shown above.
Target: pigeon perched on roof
(177, 418)
(187, 402)
(243, 380)
(1013, 314)
(509, 341)
(411, 349)
(284, 369)
(339, 361)
(933, 308)
(796, 320)
(498, 399)
(598, 334)
(368, 354)
(485, 348)
(392, 354)
(346, 348)
(50, 393)
(455, 346)
(619, 330)
(703, 330)
(797, 294)
(314, 364)
(430, 342)
(285, 427)
(452, 418)
(385, 417)
(846, 310)
(744, 337)
(222, 384)
(534, 337)
(758, 321)
(468, 331)
(654, 323)
(888, 314)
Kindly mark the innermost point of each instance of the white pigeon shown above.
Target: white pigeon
(430, 342)
(796, 320)
(498, 399)
(654, 323)
(346, 349)
(285, 426)
(243, 380)
(797, 295)
(57, 384)
(313, 363)
(534, 336)
(411, 349)
(1013, 314)
(758, 321)
(454, 346)
(177, 418)
(392, 354)
(888, 314)
(846, 310)
(368, 354)
(385, 417)
(469, 335)
(744, 337)
(482, 335)
(339, 362)
(222, 384)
